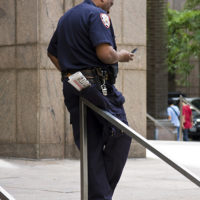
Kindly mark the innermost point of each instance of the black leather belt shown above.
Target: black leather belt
(88, 73)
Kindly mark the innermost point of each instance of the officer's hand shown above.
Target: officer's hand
(125, 56)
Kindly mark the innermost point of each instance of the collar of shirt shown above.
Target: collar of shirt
(90, 2)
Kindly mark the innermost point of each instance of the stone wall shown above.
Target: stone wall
(34, 122)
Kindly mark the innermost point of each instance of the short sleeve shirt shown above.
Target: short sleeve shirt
(78, 32)
(173, 112)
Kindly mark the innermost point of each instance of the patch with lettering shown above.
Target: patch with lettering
(105, 19)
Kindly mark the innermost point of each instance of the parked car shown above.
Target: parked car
(194, 132)
(175, 94)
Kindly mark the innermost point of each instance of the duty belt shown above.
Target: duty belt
(88, 73)
(97, 76)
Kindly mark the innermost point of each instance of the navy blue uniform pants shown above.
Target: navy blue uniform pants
(107, 147)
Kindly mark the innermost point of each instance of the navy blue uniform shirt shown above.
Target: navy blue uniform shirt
(79, 31)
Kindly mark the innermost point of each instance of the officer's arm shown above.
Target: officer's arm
(54, 60)
(108, 55)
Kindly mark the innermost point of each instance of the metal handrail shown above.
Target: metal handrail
(158, 123)
(127, 130)
(4, 195)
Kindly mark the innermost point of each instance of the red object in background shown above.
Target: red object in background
(187, 112)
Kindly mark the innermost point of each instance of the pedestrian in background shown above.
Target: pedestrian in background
(187, 120)
(173, 115)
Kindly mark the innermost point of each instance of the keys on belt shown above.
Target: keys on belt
(103, 86)
(104, 90)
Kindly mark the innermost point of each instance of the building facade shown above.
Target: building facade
(34, 122)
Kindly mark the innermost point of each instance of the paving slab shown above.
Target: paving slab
(143, 179)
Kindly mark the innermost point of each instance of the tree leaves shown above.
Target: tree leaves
(183, 39)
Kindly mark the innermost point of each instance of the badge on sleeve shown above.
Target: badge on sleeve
(105, 19)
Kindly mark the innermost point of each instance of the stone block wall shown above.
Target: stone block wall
(34, 122)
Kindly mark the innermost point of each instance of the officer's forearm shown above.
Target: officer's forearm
(54, 60)
(108, 55)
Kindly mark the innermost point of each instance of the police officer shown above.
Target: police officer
(84, 42)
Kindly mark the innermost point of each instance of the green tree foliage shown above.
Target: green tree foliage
(183, 39)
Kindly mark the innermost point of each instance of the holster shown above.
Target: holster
(112, 71)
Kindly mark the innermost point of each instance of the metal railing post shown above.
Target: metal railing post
(83, 151)
(156, 122)
(181, 118)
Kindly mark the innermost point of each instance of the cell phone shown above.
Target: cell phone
(134, 50)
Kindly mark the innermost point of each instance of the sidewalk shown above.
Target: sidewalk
(143, 179)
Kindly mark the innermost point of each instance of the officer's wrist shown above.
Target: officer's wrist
(121, 57)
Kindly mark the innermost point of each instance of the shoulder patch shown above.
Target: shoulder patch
(105, 19)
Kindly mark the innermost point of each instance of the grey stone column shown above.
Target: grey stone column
(129, 20)
(18, 79)
(32, 111)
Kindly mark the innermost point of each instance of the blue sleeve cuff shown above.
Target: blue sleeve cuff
(52, 51)
(102, 42)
